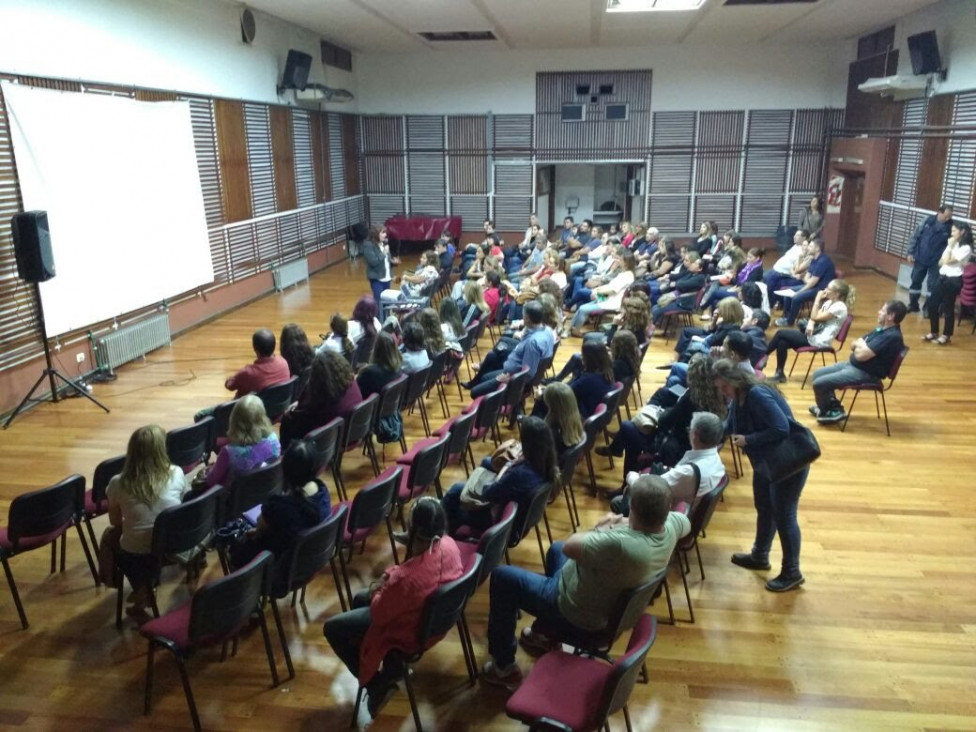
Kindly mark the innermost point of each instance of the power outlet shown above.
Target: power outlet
(80, 358)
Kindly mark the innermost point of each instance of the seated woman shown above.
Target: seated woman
(386, 617)
(338, 340)
(303, 503)
(749, 271)
(147, 485)
(532, 286)
(251, 442)
(363, 327)
(562, 416)
(414, 348)
(827, 315)
(517, 481)
(413, 285)
(683, 288)
(384, 365)
(332, 392)
(451, 326)
(297, 352)
(729, 316)
(608, 297)
(669, 441)
(472, 269)
(596, 378)
(474, 307)
(433, 335)
(623, 352)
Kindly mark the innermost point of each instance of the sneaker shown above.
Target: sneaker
(779, 378)
(508, 677)
(748, 560)
(376, 699)
(781, 323)
(785, 582)
(664, 367)
(831, 416)
(814, 410)
(536, 644)
(914, 309)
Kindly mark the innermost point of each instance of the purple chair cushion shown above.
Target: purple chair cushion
(94, 509)
(30, 542)
(173, 626)
(563, 687)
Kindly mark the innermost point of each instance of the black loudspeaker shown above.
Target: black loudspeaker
(924, 51)
(32, 246)
(358, 232)
(297, 67)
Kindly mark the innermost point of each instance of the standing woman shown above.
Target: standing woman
(379, 263)
(812, 219)
(758, 420)
(953, 260)
(147, 485)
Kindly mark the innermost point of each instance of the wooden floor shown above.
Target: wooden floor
(881, 636)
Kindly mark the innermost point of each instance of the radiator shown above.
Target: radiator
(289, 274)
(133, 341)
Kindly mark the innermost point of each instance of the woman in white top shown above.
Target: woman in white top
(338, 341)
(415, 355)
(147, 485)
(953, 261)
(827, 315)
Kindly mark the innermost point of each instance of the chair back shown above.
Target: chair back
(372, 503)
(630, 606)
(642, 348)
(596, 423)
(491, 406)
(438, 364)
(221, 418)
(845, 328)
(47, 511)
(460, 433)
(278, 397)
(627, 668)
(896, 366)
(540, 373)
(515, 390)
(363, 350)
(480, 325)
(444, 606)
(181, 528)
(312, 549)
(222, 608)
(250, 489)
(326, 440)
(760, 363)
(417, 385)
(391, 398)
(612, 399)
(703, 511)
(426, 467)
(570, 459)
(494, 542)
(359, 422)
(531, 513)
(104, 472)
(189, 446)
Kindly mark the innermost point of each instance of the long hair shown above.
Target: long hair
(563, 412)
(365, 313)
(295, 349)
(385, 354)
(701, 386)
(539, 449)
(146, 468)
(740, 382)
(597, 360)
(340, 327)
(846, 293)
(637, 313)
(730, 311)
(433, 334)
(475, 296)
(550, 310)
(449, 313)
(624, 346)
(330, 378)
(249, 423)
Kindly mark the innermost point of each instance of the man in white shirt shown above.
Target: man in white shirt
(706, 434)
(781, 275)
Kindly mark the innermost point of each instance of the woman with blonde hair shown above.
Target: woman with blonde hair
(433, 335)
(563, 416)
(475, 307)
(729, 316)
(147, 485)
(251, 441)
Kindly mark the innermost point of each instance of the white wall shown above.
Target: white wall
(684, 77)
(181, 45)
(574, 180)
(954, 22)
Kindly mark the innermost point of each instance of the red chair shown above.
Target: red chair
(967, 296)
(814, 350)
(594, 425)
(673, 318)
(39, 518)
(356, 430)
(326, 441)
(879, 388)
(435, 381)
(390, 404)
(514, 396)
(459, 430)
(96, 502)
(218, 612)
(414, 397)
(567, 470)
(570, 692)
(488, 406)
(221, 423)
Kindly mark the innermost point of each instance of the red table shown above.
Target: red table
(422, 228)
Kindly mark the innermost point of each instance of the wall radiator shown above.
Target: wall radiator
(133, 341)
(290, 273)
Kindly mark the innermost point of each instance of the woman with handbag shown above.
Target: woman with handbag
(759, 422)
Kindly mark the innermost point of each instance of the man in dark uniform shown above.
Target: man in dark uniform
(924, 250)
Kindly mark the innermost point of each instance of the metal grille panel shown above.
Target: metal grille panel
(301, 134)
(257, 125)
(910, 154)
(760, 215)
(669, 213)
(132, 342)
(337, 158)
(957, 189)
(473, 210)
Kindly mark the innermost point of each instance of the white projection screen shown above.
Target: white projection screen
(119, 181)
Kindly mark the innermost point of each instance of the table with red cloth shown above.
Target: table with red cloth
(422, 228)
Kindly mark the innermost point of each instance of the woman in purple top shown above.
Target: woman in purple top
(332, 392)
(251, 441)
(751, 271)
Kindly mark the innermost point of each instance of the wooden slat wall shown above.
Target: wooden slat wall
(234, 173)
(350, 148)
(283, 158)
(320, 140)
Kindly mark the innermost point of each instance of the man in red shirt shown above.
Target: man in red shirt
(266, 370)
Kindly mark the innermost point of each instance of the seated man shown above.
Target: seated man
(537, 343)
(706, 433)
(819, 274)
(584, 576)
(782, 274)
(871, 359)
(266, 370)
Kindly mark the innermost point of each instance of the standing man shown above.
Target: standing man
(870, 362)
(379, 263)
(924, 250)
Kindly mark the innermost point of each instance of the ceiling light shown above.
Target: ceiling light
(646, 6)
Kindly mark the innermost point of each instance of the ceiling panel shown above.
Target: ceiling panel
(542, 23)
(432, 15)
(849, 18)
(745, 23)
(634, 29)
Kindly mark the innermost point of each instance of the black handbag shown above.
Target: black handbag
(789, 456)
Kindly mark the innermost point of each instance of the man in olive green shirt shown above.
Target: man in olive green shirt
(584, 575)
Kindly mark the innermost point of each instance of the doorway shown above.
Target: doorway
(605, 193)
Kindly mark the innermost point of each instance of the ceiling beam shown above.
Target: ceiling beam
(365, 6)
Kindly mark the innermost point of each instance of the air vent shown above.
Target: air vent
(459, 36)
(769, 2)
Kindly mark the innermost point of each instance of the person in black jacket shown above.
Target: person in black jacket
(385, 364)
(379, 263)
(924, 250)
(685, 285)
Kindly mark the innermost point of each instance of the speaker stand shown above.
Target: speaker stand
(50, 373)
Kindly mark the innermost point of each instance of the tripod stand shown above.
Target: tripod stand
(50, 373)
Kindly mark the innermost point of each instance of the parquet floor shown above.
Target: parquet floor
(882, 636)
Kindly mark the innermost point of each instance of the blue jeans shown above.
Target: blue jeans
(581, 295)
(377, 287)
(631, 443)
(678, 376)
(513, 589)
(584, 312)
(797, 302)
(776, 505)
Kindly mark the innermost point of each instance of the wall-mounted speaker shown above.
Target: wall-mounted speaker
(32, 246)
(297, 67)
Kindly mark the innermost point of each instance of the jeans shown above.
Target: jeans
(681, 345)
(943, 298)
(776, 506)
(377, 287)
(513, 589)
(581, 295)
(478, 519)
(777, 281)
(573, 368)
(796, 303)
(486, 385)
(837, 376)
(678, 376)
(783, 341)
(928, 273)
(631, 443)
(584, 312)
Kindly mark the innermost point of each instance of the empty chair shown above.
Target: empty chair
(326, 441)
(189, 446)
(372, 506)
(250, 489)
(567, 469)
(594, 425)
(598, 690)
(96, 502)
(277, 398)
(39, 518)
(514, 396)
(218, 612)
(612, 399)
(488, 410)
(422, 472)
(701, 515)
(435, 380)
(414, 397)
(535, 511)
(356, 431)
(221, 423)
(459, 430)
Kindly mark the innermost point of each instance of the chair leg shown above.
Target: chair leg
(359, 701)
(667, 595)
(589, 468)
(413, 701)
(569, 507)
(281, 637)
(150, 665)
(542, 551)
(684, 581)
(796, 357)
(16, 595)
(545, 519)
(120, 588)
(335, 577)
(185, 678)
(389, 532)
(468, 662)
(627, 719)
(272, 664)
(54, 556)
(806, 376)
(885, 406)
(701, 567)
(88, 555)
(64, 543)
(843, 425)
(91, 532)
